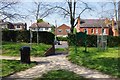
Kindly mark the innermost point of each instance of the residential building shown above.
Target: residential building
(41, 26)
(13, 26)
(6, 26)
(20, 26)
(62, 31)
(96, 27)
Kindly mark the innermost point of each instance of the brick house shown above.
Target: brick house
(41, 26)
(98, 27)
(94, 27)
(62, 30)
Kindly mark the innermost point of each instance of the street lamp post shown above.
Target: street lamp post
(31, 36)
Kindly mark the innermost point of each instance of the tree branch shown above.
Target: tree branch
(7, 5)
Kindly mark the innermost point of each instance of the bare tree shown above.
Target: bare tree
(40, 10)
(8, 10)
(110, 13)
(69, 9)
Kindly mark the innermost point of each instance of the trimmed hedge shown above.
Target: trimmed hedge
(112, 41)
(62, 38)
(24, 36)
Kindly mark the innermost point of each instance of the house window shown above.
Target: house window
(33, 28)
(46, 28)
(86, 30)
(104, 31)
(59, 30)
(92, 31)
(68, 30)
(96, 31)
(41, 29)
(18, 26)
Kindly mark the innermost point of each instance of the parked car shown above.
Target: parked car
(56, 42)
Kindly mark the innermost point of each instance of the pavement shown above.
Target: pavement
(63, 44)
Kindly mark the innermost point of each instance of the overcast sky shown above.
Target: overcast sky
(95, 4)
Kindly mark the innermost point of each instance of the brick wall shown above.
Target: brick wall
(89, 30)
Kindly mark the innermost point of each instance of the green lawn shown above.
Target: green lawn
(13, 49)
(12, 66)
(60, 75)
(61, 49)
(105, 61)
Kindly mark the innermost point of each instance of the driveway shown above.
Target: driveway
(63, 44)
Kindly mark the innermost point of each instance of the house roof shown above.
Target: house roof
(41, 24)
(94, 23)
(19, 24)
(10, 25)
(3, 23)
(64, 26)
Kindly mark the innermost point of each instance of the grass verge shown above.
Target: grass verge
(104, 61)
(12, 66)
(61, 49)
(60, 75)
(13, 49)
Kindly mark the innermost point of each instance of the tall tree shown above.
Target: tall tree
(40, 10)
(110, 13)
(8, 10)
(70, 10)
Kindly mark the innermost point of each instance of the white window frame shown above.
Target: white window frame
(18, 26)
(60, 30)
(68, 30)
(96, 31)
(104, 31)
(46, 28)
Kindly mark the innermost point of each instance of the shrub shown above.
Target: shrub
(112, 41)
(62, 38)
(9, 35)
(92, 40)
(71, 39)
(24, 36)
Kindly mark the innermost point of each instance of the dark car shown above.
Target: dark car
(56, 42)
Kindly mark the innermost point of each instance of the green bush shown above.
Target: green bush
(71, 39)
(78, 40)
(91, 40)
(24, 36)
(62, 38)
(44, 37)
(112, 41)
(9, 35)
